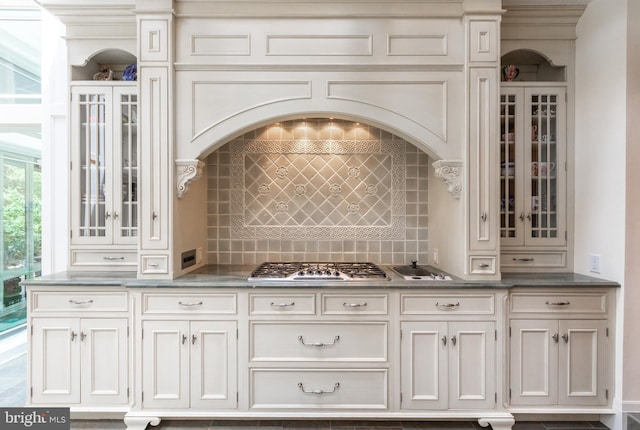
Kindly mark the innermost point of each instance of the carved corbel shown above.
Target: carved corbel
(187, 171)
(450, 172)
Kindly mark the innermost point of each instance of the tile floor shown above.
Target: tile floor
(13, 392)
(334, 425)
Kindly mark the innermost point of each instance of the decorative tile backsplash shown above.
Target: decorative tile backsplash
(317, 190)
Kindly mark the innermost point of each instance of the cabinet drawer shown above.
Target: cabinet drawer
(349, 304)
(279, 304)
(477, 304)
(79, 302)
(154, 264)
(313, 341)
(319, 389)
(81, 258)
(554, 303)
(533, 259)
(191, 303)
(482, 265)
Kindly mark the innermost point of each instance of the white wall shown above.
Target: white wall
(600, 151)
(55, 151)
(630, 346)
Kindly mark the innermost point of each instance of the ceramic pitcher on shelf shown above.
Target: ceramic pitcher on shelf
(534, 133)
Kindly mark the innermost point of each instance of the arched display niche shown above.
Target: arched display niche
(533, 66)
(84, 68)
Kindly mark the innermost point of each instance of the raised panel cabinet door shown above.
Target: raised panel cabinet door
(583, 362)
(165, 361)
(534, 362)
(154, 168)
(55, 360)
(472, 349)
(424, 369)
(104, 357)
(213, 364)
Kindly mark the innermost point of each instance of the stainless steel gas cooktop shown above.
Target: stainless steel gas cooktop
(317, 271)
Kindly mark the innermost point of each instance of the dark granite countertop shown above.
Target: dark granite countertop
(230, 276)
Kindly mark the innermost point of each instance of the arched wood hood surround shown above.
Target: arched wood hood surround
(427, 71)
(211, 70)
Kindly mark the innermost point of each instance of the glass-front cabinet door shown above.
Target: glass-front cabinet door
(104, 165)
(532, 166)
(125, 157)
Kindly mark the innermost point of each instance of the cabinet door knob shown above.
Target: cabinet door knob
(453, 340)
(73, 335)
(555, 338)
(565, 337)
(154, 216)
(193, 339)
(444, 340)
(483, 217)
(184, 339)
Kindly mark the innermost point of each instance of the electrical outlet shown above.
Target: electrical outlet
(435, 256)
(594, 263)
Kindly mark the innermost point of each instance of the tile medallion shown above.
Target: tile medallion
(348, 189)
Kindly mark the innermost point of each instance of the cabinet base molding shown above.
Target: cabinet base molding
(140, 422)
(497, 420)
(497, 423)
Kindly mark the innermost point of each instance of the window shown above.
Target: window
(20, 148)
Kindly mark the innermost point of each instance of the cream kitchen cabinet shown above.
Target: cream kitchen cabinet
(560, 357)
(104, 176)
(79, 349)
(448, 351)
(448, 365)
(189, 350)
(319, 351)
(533, 231)
(189, 364)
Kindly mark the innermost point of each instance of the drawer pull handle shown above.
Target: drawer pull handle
(447, 305)
(354, 305)
(80, 302)
(154, 264)
(318, 390)
(283, 305)
(190, 305)
(318, 344)
(113, 258)
(483, 265)
(548, 303)
(523, 260)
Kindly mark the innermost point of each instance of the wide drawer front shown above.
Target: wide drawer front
(313, 341)
(513, 259)
(279, 304)
(79, 302)
(350, 304)
(192, 303)
(103, 258)
(418, 304)
(584, 303)
(319, 389)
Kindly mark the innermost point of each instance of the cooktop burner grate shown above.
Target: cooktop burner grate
(317, 271)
